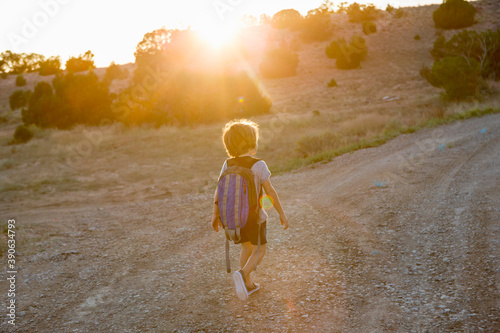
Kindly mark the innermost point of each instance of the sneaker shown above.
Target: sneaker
(253, 289)
(239, 284)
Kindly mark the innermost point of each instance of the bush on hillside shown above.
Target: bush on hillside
(22, 134)
(349, 56)
(72, 99)
(399, 13)
(360, 13)
(389, 8)
(332, 83)
(50, 66)
(83, 62)
(20, 81)
(190, 98)
(316, 26)
(483, 47)
(18, 63)
(333, 49)
(286, 19)
(19, 99)
(369, 27)
(461, 79)
(454, 14)
(279, 63)
(115, 72)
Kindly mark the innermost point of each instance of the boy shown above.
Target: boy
(240, 139)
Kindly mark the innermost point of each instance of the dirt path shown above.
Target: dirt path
(401, 238)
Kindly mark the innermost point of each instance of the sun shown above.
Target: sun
(217, 37)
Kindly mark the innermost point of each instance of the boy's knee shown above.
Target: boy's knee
(261, 250)
(246, 245)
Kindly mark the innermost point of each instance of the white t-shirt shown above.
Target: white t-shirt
(262, 174)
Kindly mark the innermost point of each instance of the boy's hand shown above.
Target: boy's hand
(216, 222)
(284, 222)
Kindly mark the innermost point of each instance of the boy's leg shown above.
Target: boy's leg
(250, 264)
(246, 251)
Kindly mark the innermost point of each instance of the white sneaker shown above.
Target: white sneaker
(239, 284)
(253, 289)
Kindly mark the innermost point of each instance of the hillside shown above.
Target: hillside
(112, 222)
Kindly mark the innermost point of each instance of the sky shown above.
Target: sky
(111, 29)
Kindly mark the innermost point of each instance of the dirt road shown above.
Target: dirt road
(404, 238)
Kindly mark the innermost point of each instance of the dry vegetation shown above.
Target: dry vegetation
(386, 94)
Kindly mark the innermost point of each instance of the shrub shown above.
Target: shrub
(399, 13)
(286, 19)
(115, 72)
(332, 83)
(19, 99)
(369, 27)
(73, 99)
(83, 99)
(334, 50)
(461, 79)
(4, 75)
(483, 47)
(349, 56)
(416, 37)
(316, 26)
(82, 63)
(42, 106)
(389, 8)
(194, 98)
(360, 13)
(50, 66)
(454, 14)
(279, 63)
(22, 134)
(20, 80)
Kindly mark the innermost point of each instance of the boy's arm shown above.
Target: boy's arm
(215, 214)
(268, 187)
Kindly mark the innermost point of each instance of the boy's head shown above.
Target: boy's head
(240, 137)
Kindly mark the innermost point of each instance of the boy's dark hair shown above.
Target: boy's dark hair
(240, 137)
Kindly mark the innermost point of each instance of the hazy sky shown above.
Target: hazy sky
(111, 29)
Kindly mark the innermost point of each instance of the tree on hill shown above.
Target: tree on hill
(483, 47)
(72, 99)
(317, 25)
(454, 14)
(19, 99)
(286, 19)
(50, 66)
(360, 13)
(162, 49)
(115, 72)
(348, 55)
(83, 62)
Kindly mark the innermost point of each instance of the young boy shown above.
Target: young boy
(240, 139)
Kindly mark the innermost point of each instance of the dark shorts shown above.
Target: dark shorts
(250, 233)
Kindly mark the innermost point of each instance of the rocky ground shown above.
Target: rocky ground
(400, 238)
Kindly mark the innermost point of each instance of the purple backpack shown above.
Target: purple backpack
(238, 199)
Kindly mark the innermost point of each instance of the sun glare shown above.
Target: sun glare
(217, 37)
